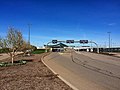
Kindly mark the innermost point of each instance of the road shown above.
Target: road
(86, 71)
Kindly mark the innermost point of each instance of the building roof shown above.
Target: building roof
(60, 45)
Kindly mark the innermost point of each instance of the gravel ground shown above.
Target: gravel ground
(32, 76)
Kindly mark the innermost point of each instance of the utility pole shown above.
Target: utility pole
(109, 39)
(105, 45)
(111, 43)
(29, 27)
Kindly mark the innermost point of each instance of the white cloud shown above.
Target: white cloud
(112, 24)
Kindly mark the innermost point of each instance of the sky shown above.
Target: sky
(62, 20)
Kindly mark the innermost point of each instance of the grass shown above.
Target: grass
(38, 51)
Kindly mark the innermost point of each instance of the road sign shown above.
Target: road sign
(83, 41)
(54, 41)
(69, 41)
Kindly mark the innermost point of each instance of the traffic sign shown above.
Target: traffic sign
(69, 41)
(83, 41)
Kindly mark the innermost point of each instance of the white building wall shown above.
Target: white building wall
(89, 49)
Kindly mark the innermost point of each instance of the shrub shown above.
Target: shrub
(5, 64)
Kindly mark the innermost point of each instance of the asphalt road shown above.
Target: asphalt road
(86, 71)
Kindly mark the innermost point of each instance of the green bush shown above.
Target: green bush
(5, 64)
(21, 62)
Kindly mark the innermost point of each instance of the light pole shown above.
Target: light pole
(109, 39)
(111, 43)
(29, 27)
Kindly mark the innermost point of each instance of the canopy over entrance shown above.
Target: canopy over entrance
(60, 45)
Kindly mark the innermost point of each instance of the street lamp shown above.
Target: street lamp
(29, 26)
(109, 38)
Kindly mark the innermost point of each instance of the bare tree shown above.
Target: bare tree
(25, 46)
(12, 42)
(1, 42)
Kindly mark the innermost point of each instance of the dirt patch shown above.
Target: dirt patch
(111, 54)
(32, 76)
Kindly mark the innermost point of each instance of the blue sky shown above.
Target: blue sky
(62, 19)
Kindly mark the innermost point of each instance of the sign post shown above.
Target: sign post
(72, 41)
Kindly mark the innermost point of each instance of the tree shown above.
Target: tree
(12, 42)
(33, 47)
(25, 47)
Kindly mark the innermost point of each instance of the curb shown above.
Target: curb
(69, 84)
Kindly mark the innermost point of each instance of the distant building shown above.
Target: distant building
(41, 47)
(84, 48)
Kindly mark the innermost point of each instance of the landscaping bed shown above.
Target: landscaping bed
(33, 75)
